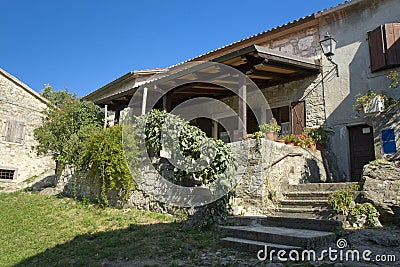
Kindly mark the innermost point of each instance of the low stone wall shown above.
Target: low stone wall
(271, 168)
(266, 173)
(73, 184)
(381, 187)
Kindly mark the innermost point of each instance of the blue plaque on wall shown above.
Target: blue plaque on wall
(388, 141)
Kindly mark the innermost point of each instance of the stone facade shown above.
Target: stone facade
(20, 114)
(349, 27)
(303, 43)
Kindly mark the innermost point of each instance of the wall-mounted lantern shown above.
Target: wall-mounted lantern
(328, 46)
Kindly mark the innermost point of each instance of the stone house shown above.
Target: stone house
(20, 114)
(302, 86)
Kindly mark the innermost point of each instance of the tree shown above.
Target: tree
(67, 123)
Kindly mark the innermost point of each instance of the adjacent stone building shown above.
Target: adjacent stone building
(20, 114)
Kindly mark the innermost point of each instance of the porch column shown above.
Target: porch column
(242, 123)
(164, 101)
(144, 101)
(214, 129)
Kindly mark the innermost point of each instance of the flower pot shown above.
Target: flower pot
(312, 146)
(280, 141)
(270, 136)
(290, 143)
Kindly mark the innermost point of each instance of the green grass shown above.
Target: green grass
(38, 230)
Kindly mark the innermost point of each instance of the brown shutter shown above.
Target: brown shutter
(376, 49)
(298, 116)
(392, 33)
(396, 30)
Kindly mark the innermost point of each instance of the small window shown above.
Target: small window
(384, 46)
(14, 131)
(282, 116)
(7, 174)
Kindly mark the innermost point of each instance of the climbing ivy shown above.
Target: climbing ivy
(181, 138)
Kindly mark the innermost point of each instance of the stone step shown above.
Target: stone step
(303, 238)
(321, 215)
(253, 246)
(303, 203)
(309, 195)
(318, 187)
(287, 221)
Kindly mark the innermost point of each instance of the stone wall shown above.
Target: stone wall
(18, 104)
(303, 43)
(271, 168)
(388, 119)
(381, 186)
(78, 185)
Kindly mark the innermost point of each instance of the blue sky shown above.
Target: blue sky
(82, 45)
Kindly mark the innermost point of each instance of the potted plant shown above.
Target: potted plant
(311, 144)
(290, 139)
(372, 102)
(270, 129)
(281, 139)
(317, 135)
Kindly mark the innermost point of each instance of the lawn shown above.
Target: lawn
(38, 230)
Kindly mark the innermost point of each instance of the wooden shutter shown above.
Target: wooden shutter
(384, 46)
(392, 34)
(14, 131)
(376, 49)
(298, 116)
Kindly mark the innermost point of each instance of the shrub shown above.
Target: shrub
(341, 200)
(103, 159)
(366, 209)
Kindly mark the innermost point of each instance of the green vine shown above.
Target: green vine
(103, 159)
(190, 141)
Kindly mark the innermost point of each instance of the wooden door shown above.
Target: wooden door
(361, 149)
(298, 116)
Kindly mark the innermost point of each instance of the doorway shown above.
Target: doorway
(362, 150)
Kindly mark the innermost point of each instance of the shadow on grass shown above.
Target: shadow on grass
(138, 245)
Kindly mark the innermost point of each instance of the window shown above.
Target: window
(384, 46)
(7, 174)
(13, 131)
(282, 116)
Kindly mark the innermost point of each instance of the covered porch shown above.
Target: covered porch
(264, 68)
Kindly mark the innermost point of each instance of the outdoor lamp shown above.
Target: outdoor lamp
(328, 46)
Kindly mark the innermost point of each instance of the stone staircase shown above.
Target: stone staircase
(309, 201)
(252, 233)
(303, 220)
